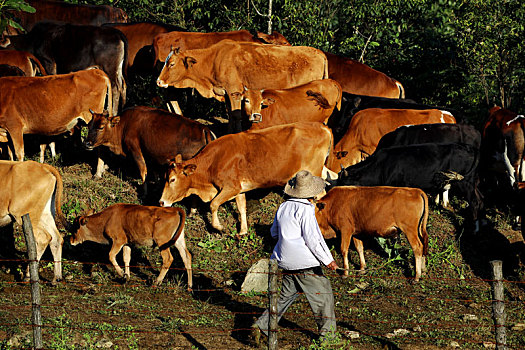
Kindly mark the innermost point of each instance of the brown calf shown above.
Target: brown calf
(123, 224)
(375, 211)
(141, 131)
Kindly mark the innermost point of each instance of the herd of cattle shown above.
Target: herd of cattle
(381, 153)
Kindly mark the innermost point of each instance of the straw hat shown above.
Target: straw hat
(304, 185)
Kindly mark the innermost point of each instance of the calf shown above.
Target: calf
(352, 211)
(144, 130)
(368, 126)
(124, 224)
(238, 163)
(35, 189)
(311, 102)
(430, 167)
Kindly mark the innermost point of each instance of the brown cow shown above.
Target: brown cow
(311, 102)
(34, 189)
(503, 144)
(61, 11)
(374, 211)
(163, 44)
(50, 105)
(228, 66)
(144, 130)
(237, 163)
(369, 125)
(123, 224)
(141, 56)
(28, 63)
(358, 78)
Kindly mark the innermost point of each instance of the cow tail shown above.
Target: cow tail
(177, 233)
(325, 73)
(401, 89)
(422, 228)
(36, 62)
(209, 136)
(339, 95)
(109, 95)
(57, 196)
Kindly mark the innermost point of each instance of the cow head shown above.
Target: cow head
(322, 215)
(178, 182)
(79, 228)
(176, 66)
(275, 38)
(99, 129)
(254, 103)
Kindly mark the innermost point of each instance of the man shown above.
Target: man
(300, 250)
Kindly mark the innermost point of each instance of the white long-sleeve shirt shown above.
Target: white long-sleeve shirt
(300, 242)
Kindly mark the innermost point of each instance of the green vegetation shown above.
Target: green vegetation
(463, 54)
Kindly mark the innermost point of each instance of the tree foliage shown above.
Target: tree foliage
(7, 17)
(460, 53)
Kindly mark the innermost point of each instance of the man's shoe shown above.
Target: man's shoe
(257, 335)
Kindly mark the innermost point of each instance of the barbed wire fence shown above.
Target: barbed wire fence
(420, 330)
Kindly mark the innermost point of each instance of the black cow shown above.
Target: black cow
(431, 133)
(430, 167)
(351, 104)
(65, 48)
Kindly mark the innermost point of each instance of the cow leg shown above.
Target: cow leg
(100, 166)
(417, 247)
(135, 150)
(115, 249)
(42, 240)
(223, 196)
(18, 144)
(180, 244)
(56, 242)
(42, 152)
(345, 244)
(240, 199)
(360, 250)
(53, 149)
(126, 254)
(167, 260)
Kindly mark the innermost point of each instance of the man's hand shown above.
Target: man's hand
(332, 266)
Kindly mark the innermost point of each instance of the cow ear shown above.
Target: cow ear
(189, 169)
(178, 159)
(189, 61)
(114, 120)
(175, 50)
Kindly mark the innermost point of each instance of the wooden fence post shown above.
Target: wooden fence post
(35, 284)
(498, 304)
(272, 292)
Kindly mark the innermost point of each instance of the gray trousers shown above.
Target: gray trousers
(318, 291)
